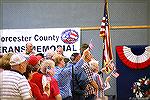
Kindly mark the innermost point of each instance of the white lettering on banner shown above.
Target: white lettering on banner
(5, 49)
(14, 40)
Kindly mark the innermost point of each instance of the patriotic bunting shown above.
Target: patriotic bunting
(134, 61)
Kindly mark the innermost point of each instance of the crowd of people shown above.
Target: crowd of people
(50, 76)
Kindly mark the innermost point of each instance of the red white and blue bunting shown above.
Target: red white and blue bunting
(134, 61)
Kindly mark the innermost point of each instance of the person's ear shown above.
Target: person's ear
(72, 58)
(20, 66)
(85, 53)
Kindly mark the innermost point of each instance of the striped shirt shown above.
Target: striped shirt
(14, 86)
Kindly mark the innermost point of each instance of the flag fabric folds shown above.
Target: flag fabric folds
(107, 60)
(105, 34)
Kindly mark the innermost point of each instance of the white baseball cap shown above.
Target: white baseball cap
(16, 59)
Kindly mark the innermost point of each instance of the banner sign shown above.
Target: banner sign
(14, 40)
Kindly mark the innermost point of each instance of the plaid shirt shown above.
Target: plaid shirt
(89, 88)
(63, 76)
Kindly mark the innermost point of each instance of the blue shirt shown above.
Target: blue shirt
(64, 77)
(81, 78)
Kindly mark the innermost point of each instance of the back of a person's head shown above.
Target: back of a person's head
(94, 65)
(4, 61)
(35, 62)
(47, 63)
(29, 70)
(57, 58)
(16, 59)
(50, 63)
(49, 54)
(40, 57)
(84, 46)
(73, 56)
(40, 54)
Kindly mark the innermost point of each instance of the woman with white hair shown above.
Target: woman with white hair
(95, 68)
(49, 54)
(44, 76)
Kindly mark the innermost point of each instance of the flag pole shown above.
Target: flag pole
(103, 92)
(106, 38)
(109, 28)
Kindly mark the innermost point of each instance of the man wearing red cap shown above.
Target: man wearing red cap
(34, 61)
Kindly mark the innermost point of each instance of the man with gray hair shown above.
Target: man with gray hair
(14, 86)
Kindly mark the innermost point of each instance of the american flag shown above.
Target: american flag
(91, 45)
(105, 34)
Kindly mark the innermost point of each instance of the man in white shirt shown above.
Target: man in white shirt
(29, 50)
(14, 86)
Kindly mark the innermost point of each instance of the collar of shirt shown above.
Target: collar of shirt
(16, 71)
